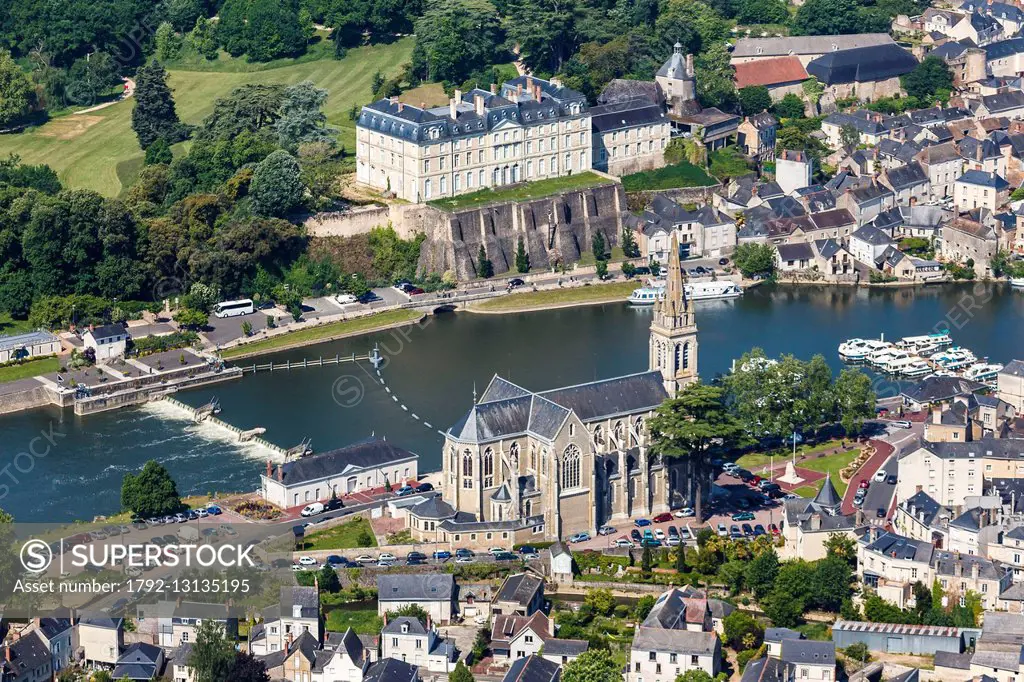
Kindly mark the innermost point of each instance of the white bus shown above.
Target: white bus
(232, 308)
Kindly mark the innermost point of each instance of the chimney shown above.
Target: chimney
(385, 618)
(529, 83)
(270, 469)
(423, 105)
(519, 89)
(858, 518)
(936, 415)
(494, 88)
(977, 153)
(555, 82)
(7, 653)
(689, 66)
(316, 582)
(536, 92)
(280, 473)
(478, 104)
(428, 621)
(958, 567)
(291, 638)
(815, 521)
(453, 109)
(975, 570)
(401, 105)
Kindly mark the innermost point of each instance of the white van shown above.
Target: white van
(313, 509)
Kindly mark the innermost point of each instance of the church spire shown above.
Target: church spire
(673, 344)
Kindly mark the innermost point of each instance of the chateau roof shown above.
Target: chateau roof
(773, 71)
(796, 45)
(862, 64)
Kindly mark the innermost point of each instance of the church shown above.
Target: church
(524, 466)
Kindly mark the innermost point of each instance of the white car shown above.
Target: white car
(464, 560)
(364, 559)
(684, 513)
(387, 556)
(623, 542)
(879, 475)
(496, 550)
(659, 534)
(346, 298)
(723, 531)
(313, 509)
(307, 561)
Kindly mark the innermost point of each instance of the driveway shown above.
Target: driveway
(220, 330)
(881, 493)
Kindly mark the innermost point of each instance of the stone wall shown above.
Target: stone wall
(556, 228)
(404, 218)
(28, 399)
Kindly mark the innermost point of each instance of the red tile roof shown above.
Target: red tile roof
(770, 72)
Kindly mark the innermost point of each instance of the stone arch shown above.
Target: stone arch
(571, 467)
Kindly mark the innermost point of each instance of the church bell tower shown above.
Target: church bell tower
(673, 346)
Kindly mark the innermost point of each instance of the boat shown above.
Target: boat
(916, 368)
(853, 350)
(982, 371)
(896, 360)
(881, 354)
(955, 358)
(917, 343)
(647, 295)
(704, 291)
(1017, 282)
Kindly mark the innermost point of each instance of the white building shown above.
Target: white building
(29, 345)
(297, 612)
(362, 466)
(514, 636)
(677, 636)
(109, 341)
(99, 639)
(793, 170)
(433, 592)
(408, 639)
(868, 243)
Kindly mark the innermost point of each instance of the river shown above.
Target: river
(433, 370)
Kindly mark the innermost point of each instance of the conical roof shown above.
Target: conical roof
(827, 497)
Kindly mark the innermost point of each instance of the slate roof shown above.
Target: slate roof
(835, 218)
(520, 588)
(775, 71)
(433, 508)
(765, 670)
(998, 448)
(945, 563)
(415, 587)
(533, 669)
(52, 627)
(864, 121)
(308, 598)
(370, 453)
(935, 389)
(629, 114)
(565, 647)
(970, 148)
(779, 634)
(970, 520)
(686, 642)
(1003, 49)
(872, 235)
(862, 64)
(673, 610)
(15, 341)
(827, 247)
(808, 651)
(795, 252)
(108, 331)
(952, 659)
(626, 89)
(888, 219)
(983, 179)
(796, 45)
(903, 177)
(611, 397)
(828, 497)
(391, 670)
(413, 626)
(1013, 368)
(28, 654)
(899, 547)
(923, 507)
(1003, 101)
(138, 662)
(508, 626)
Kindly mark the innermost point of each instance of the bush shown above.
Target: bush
(682, 174)
(148, 345)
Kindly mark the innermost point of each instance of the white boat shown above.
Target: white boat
(853, 350)
(982, 371)
(916, 368)
(896, 360)
(704, 291)
(648, 295)
(955, 358)
(1017, 282)
(881, 354)
(917, 343)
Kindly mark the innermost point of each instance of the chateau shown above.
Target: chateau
(525, 466)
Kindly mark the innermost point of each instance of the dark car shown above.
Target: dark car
(332, 504)
(748, 530)
(881, 513)
(635, 535)
(443, 554)
(527, 549)
(735, 532)
(424, 487)
(414, 561)
(463, 552)
(642, 270)
(505, 556)
(743, 516)
(650, 542)
(891, 479)
(723, 261)
(335, 560)
(412, 291)
(419, 556)
(745, 475)
(515, 282)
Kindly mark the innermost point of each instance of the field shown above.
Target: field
(99, 150)
(8, 325)
(595, 293)
(31, 368)
(344, 536)
(670, 177)
(361, 618)
(521, 192)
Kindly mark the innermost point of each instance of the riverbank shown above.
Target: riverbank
(332, 331)
(566, 297)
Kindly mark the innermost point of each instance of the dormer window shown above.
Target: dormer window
(405, 628)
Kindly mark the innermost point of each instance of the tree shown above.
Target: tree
(695, 675)
(858, 651)
(782, 609)
(762, 571)
(601, 600)
(841, 546)
(202, 38)
(273, 30)
(762, 12)
(276, 187)
(716, 86)
(158, 152)
(597, 245)
(480, 644)
(460, 674)
(454, 39)
(15, 89)
(681, 566)
(827, 17)
(596, 665)
(410, 611)
(328, 579)
(754, 259)
(855, 400)
(602, 269)
(212, 653)
(831, 584)
(301, 117)
(522, 258)
(849, 137)
(737, 626)
(928, 79)
(190, 318)
(790, 106)
(168, 42)
(692, 426)
(151, 492)
(247, 668)
(754, 99)
(630, 249)
(731, 575)
(484, 267)
(320, 165)
(643, 607)
(154, 115)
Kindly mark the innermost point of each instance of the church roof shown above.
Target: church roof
(827, 497)
(675, 67)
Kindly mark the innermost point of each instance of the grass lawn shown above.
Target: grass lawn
(96, 150)
(595, 293)
(28, 369)
(364, 621)
(431, 94)
(345, 536)
(807, 490)
(682, 174)
(521, 192)
(324, 332)
(759, 460)
(817, 631)
(832, 464)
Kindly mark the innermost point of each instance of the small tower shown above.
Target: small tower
(678, 82)
(673, 345)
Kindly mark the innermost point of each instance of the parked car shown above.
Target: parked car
(505, 556)
(723, 261)
(495, 550)
(623, 542)
(213, 510)
(891, 479)
(606, 530)
(443, 554)
(312, 509)
(635, 534)
(424, 487)
(420, 556)
(743, 516)
(773, 529)
(901, 424)
(579, 537)
(464, 560)
(881, 512)
(684, 513)
(863, 485)
(406, 490)
(515, 282)
(650, 542)
(748, 530)
(307, 561)
(735, 532)
(879, 475)
(346, 299)
(334, 560)
(640, 523)
(659, 533)
(759, 530)
(663, 517)
(684, 533)
(462, 551)
(723, 531)
(744, 475)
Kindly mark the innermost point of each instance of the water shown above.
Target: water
(433, 371)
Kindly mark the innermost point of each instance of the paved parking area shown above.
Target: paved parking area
(221, 330)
